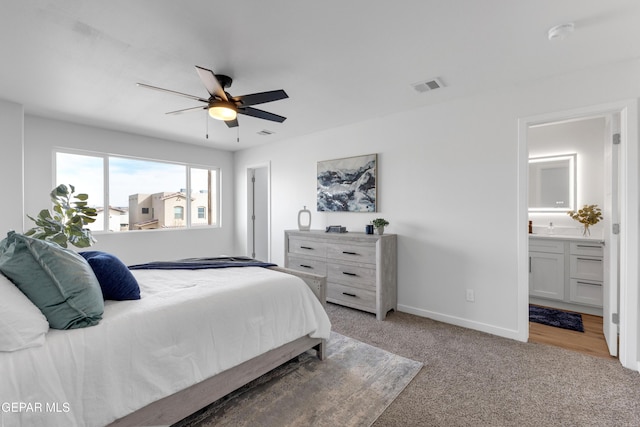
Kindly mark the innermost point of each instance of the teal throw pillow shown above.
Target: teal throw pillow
(57, 280)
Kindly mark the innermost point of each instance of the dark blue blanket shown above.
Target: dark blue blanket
(201, 263)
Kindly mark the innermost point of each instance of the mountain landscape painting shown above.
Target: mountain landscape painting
(347, 185)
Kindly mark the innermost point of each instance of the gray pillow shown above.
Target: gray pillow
(57, 280)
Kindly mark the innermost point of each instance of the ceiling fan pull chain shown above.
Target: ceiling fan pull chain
(206, 120)
(238, 136)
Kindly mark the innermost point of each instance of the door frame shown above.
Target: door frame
(248, 173)
(629, 218)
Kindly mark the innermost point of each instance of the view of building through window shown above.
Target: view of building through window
(143, 194)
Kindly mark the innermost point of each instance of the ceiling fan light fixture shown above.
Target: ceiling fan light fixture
(223, 111)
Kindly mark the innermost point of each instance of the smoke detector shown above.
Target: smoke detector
(428, 85)
(561, 32)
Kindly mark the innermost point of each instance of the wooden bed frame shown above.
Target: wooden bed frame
(177, 406)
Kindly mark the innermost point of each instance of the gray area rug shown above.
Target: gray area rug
(351, 387)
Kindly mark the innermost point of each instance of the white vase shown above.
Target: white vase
(304, 219)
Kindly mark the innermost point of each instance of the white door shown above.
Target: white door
(610, 286)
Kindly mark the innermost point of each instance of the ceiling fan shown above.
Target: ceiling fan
(223, 106)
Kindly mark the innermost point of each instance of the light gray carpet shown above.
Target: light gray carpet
(351, 387)
(471, 378)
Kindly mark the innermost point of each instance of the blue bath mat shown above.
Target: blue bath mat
(557, 318)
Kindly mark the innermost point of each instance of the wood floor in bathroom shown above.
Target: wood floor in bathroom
(591, 341)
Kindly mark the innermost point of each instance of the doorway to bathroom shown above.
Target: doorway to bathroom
(567, 170)
(617, 127)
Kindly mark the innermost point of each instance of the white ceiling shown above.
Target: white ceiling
(340, 61)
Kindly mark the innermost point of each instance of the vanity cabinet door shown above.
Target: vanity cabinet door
(546, 275)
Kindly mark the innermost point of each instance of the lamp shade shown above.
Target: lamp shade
(223, 111)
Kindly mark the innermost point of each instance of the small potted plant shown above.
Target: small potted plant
(379, 224)
(587, 216)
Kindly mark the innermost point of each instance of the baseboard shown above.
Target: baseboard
(465, 323)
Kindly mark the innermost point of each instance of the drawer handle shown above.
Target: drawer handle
(349, 253)
(349, 274)
(587, 283)
(349, 295)
(589, 259)
(305, 266)
(306, 247)
(589, 246)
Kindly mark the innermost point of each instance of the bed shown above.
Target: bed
(191, 338)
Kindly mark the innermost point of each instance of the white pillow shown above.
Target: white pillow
(22, 324)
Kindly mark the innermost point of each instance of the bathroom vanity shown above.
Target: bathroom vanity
(566, 272)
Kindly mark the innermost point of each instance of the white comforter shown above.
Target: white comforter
(189, 325)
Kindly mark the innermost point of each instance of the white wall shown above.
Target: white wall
(11, 137)
(43, 135)
(448, 184)
(586, 138)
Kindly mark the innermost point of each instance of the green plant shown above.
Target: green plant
(379, 222)
(66, 223)
(588, 215)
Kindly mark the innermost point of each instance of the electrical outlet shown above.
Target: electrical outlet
(470, 296)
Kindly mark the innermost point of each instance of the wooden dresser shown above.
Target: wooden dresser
(361, 268)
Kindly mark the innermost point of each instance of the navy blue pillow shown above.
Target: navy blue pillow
(115, 279)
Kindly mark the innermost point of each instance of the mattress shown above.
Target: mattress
(188, 326)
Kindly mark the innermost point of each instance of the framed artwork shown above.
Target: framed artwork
(347, 185)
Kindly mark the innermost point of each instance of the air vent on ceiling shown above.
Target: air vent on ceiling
(428, 85)
(265, 132)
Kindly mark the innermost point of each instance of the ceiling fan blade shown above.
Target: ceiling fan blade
(260, 98)
(232, 123)
(211, 83)
(254, 112)
(196, 98)
(187, 109)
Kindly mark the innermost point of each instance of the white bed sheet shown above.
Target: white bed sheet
(188, 326)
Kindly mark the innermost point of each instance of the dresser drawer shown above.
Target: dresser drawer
(309, 265)
(356, 297)
(586, 292)
(586, 248)
(586, 267)
(307, 247)
(363, 277)
(357, 253)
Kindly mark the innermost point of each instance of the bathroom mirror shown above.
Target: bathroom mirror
(552, 183)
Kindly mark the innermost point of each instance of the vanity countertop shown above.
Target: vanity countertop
(564, 237)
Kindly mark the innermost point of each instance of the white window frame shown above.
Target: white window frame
(217, 209)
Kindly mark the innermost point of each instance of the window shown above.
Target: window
(142, 194)
(86, 174)
(204, 183)
(178, 212)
